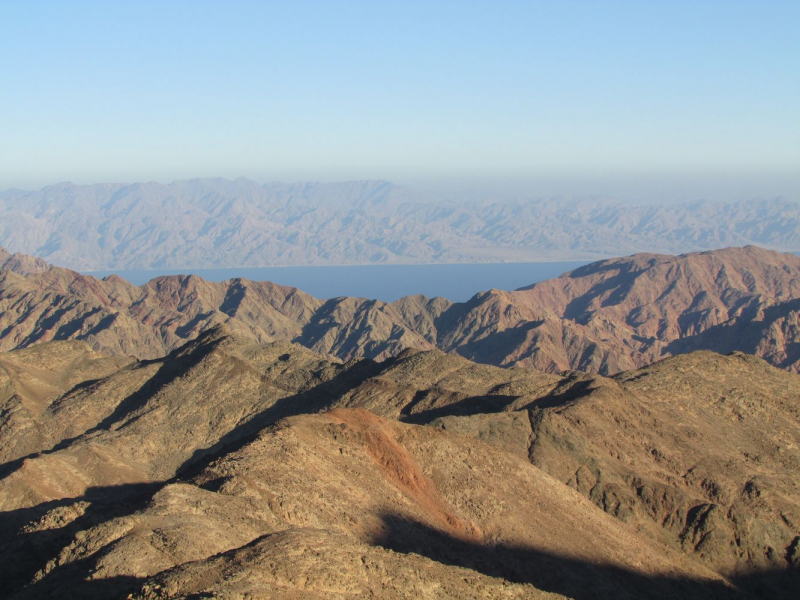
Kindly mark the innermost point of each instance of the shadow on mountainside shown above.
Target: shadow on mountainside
(25, 552)
(172, 367)
(745, 337)
(487, 404)
(571, 577)
(311, 401)
(573, 389)
(30, 537)
(619, 287)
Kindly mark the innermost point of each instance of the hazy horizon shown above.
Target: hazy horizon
(644, 102)
(635, 192)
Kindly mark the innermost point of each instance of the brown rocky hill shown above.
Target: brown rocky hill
(21, 263)
(695, 449)
(623, 313)
(233, 468)
(112, 315)
(605, 317)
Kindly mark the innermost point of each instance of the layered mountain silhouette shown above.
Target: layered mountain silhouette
(606, 317)
(221, 223)
(232, 468)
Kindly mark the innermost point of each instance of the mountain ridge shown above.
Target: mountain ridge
(610, 316)
(215, 223)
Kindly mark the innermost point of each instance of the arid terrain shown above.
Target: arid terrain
(187, 438)
(238, 469)
(607, 317)
(537, 331)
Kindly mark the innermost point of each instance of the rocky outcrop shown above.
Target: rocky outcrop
(22, 263)
(694, 449)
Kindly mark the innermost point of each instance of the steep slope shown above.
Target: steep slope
(31, 380)
(230, 467)
(148, 321)
(623, 313)
(212, 386)
(361, 479)
(422, 491)
(312, 563)
(353, 327)
(21, 263)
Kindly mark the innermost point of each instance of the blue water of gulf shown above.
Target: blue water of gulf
(382, 282)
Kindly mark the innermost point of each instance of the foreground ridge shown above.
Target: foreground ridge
(230, 467)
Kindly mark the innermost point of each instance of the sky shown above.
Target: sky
(642, 100)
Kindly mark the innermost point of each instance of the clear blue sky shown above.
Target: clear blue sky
(570, 96)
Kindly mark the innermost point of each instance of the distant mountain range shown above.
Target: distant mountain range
(606, 317)
(205, 223)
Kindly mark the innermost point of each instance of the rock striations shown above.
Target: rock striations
(624, 313)
(606, 317)
(232, 468)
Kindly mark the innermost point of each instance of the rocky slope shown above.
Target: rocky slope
(22, 263)
(694, 449)
(234, 468)
(623, 313)
(605, 317)
(221, 223)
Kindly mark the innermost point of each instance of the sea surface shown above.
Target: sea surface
(382, 282)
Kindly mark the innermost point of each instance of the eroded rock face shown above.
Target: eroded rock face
(235, 468)
(607, 317)
(698, 445)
